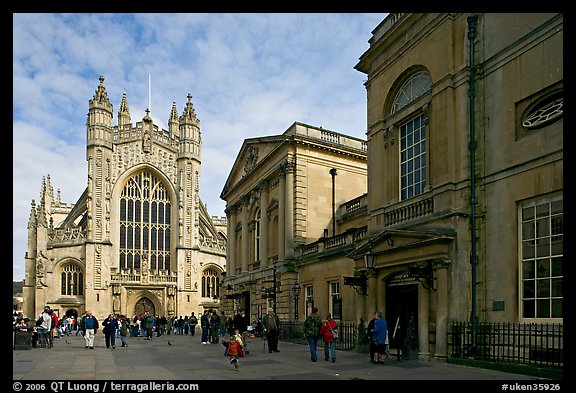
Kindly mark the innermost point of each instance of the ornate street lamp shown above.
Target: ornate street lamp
(296, 292)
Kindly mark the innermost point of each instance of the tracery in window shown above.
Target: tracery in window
(145, 223)
(210, 283)
(546, 112)
(72, 280)
(417, 85)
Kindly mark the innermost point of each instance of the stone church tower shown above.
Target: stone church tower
(139, 237)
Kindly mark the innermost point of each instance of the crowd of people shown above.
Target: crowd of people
(213, 329)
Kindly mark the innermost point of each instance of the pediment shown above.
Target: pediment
(393, 240)
(252, 154)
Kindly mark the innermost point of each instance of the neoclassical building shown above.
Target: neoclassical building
(139, 237)
(282, 193)
(465, 171)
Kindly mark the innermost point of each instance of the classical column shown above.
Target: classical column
(281, 214)
(423, 318)
(289, 212)
(231, 246)
(441, 313)
(245, 237)
(264, 224)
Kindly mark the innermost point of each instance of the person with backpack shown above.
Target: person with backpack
(312, 332)
(43, 323)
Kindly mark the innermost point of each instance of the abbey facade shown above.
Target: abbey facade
(139, 237)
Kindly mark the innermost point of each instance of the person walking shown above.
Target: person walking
(193, 321)
(43, 323)
(124, 330)
(234, 351)
(271, 324)
(89, 326)
(370, 333)
(214, 326)
(149, 323)
(205, 326)
(109, 327)
(380, 333)
(312, 332)
(328, 332)
(241, 322)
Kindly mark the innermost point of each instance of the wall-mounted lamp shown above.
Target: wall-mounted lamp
(424, 273)
(370, 262)
(359, 283)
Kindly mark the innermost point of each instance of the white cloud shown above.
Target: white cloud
(249, 74)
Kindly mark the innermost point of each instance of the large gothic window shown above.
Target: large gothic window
(145, 223)
(72, 281)
(210, 283)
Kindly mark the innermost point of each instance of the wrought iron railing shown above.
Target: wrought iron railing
(537, 344)
(293, 332)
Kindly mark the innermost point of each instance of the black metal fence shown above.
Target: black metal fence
(525, 343)
(293, 332)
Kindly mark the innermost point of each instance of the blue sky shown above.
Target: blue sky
(249, 75)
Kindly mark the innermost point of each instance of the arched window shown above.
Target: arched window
(257, 223)
(144, 223)
(210, 283)
(412, 135)
(417, 85)
(72, 280)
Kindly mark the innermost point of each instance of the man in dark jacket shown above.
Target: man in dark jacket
(205, 325)
(241, 322)
(89, 326)
(271, 324)
(370, 333)
(312, 326)
(109, 327)
(214, 327)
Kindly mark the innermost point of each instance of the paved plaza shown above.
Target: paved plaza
(171, 357)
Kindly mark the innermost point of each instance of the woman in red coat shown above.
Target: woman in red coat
(328, 333)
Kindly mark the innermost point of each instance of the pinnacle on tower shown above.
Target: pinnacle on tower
(189, 115)
(124, 112)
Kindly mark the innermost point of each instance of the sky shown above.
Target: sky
(249, 75)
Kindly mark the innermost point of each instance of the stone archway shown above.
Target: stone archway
(144, 304)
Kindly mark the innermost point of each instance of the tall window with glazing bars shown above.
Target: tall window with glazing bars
(412, 136)
(144, 224)
(542, 256)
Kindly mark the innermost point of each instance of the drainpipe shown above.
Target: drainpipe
(333, 174)
(473, 198)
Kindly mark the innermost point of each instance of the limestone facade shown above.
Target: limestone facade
(465, 170)
(283, 192)
(139, 237)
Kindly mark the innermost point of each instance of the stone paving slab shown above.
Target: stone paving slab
(188, 359)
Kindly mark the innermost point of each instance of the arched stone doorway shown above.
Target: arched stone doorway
(401, 303)
(144, 304)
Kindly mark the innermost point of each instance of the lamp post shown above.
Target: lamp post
(296, 292)
(271, 292)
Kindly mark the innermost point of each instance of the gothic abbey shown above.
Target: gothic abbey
(139, 237)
